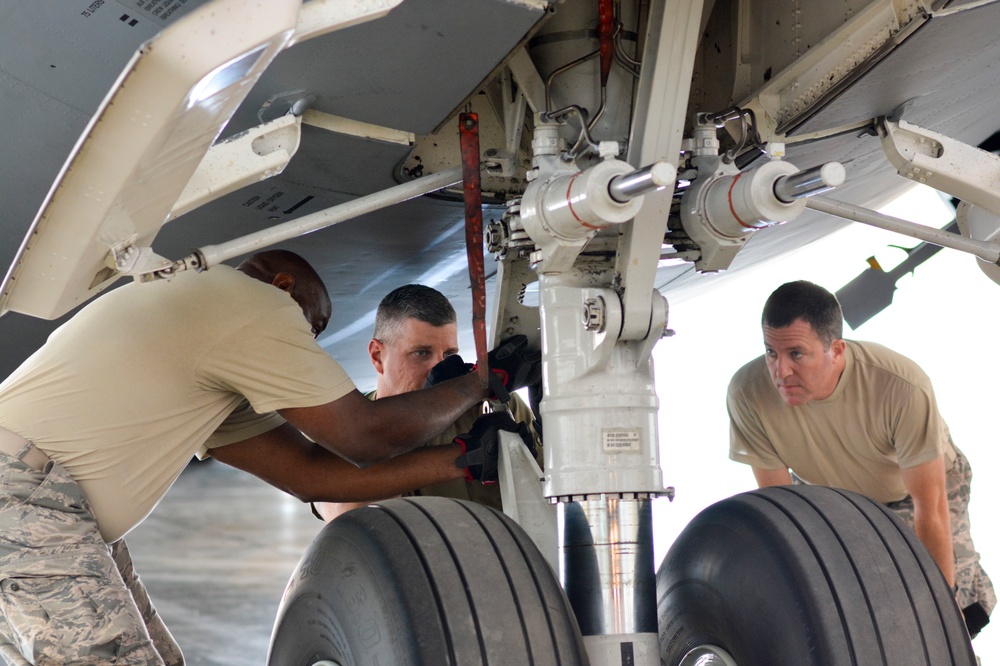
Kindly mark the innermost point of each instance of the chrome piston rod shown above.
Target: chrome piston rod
(606, 564)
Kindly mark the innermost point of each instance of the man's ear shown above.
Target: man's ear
(837, 347)
(375, 354)
(284, 282)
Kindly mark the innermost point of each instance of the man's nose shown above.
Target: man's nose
(782, 368)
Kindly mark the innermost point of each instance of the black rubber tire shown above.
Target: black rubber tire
(799, 575)
(424, 581)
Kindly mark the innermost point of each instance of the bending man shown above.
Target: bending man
(855, 415)
(99, 422)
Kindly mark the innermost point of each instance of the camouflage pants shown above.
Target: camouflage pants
(975, 593)
(66, 597)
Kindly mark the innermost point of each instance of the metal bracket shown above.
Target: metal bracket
(963, 171)
(510, 107)
(249, 157)
(137, 261)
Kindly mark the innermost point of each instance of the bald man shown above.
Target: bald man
(99, 422)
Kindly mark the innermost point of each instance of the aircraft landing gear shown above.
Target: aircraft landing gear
(806, 575)
(424, 581)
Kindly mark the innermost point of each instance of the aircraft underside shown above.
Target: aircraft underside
(625, 151)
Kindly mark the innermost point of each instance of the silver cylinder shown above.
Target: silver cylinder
(809, 182)
(606, 563)
(631, 185)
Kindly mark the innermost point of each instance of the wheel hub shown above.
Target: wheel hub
(707, 655)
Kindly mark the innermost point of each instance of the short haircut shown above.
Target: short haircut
(807, 301)
(411, 301)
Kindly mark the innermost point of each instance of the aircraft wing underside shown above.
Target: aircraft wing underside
(412, 70)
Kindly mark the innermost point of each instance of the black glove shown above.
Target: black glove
(515, 364)
(451, 367)
(481, 446)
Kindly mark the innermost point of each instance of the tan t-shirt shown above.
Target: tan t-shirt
(138, 381)
(881, 417)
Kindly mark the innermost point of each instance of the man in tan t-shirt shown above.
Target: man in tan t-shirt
(858, 416)
(99, 422)
(415, 329)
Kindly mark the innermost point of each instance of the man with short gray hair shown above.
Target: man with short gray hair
(415, 329)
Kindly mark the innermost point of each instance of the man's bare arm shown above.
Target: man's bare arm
(772, 477)
(927, 486)
(287, 460)
(366, 431)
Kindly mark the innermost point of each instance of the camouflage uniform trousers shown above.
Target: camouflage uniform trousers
(975, 594)
(66, 597)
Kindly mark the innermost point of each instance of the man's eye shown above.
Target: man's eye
(421, 353)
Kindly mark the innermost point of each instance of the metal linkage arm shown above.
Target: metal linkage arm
(212, 255)
(986, 250)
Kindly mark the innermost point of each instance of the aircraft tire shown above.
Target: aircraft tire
(806, 575)
(424, 581)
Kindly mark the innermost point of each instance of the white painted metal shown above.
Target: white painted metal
(141, 148)
(350, 127)
(528, 80)
(825, 66)
(509, 314)
(980, 224)
(212, 255)
(521, 494)
(564, 210)
(510, 105)
(319, 17)
(246, 158)
(658, 124)
(724, 206)
(599, 406)
(963, 171)
(736, 204)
